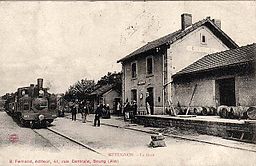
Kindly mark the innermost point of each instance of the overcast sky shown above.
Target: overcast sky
(63, 42)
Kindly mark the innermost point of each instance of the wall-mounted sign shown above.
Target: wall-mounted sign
(141, 96)
(201, 49)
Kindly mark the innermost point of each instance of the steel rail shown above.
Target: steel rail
(74, 141)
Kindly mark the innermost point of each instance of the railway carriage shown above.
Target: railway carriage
(33, 105)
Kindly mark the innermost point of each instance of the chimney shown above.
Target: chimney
(217, 22)
(40, 83)
(186, 20)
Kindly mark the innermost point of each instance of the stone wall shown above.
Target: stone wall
(203, 96)
(201, 126)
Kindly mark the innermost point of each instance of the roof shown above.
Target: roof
(172, 37)
(103, 89)
(221, 59)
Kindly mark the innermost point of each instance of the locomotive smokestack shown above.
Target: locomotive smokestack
(40, 83)
(31, 90)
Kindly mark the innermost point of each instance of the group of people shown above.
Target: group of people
(79, 107)
(130, 110)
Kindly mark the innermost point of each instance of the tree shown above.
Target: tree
(80, 90)
(111, 78)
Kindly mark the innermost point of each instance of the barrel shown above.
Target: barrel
(172, 111)
(183, 111)
(213, 110)
(222, 111)
(251, 113)
(198, 110)
(191, 111)
(206, 111)
(235, 113)
(176, 110)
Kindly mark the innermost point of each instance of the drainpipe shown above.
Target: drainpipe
(163, 85)
(123, 85)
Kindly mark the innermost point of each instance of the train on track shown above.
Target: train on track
(32, 105)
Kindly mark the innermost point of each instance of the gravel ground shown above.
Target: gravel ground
(131, 147)
(25, 136)
(120, 147)
(29, 145)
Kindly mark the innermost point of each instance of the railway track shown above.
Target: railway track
(59, 141)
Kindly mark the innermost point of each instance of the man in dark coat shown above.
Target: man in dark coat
(74, 112)
(98, 114)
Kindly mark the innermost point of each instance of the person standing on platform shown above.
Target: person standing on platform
(107, 111)
(73, 111)
(149, 103)
(127, 109)
(85, 113)
(98, 114)
(118, 108)
(134, 110)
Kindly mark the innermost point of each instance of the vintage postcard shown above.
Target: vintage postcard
(127, 83)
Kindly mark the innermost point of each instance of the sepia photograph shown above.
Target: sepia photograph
(127, 83)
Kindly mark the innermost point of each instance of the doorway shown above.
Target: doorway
(133, 95)
(150, 99)
(227, 94)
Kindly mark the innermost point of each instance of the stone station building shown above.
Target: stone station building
(150, 68)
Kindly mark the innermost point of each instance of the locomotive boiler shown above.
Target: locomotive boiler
(33, 105)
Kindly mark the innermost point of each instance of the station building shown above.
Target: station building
(150, 68)
(106, 94)
(222, 78)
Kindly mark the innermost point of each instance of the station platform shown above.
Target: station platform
(241, 130)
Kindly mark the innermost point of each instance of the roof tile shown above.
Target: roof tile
(172, 37)
(220, 59)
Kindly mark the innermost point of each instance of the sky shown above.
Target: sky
(63, 42)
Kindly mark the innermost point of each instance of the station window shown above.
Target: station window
(149, 65)
(203, 39)
(134, 70)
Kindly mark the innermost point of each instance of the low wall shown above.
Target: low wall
(216, 128)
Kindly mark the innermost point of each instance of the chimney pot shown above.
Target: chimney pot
(40, 83)
(217, 22)
(186, 20)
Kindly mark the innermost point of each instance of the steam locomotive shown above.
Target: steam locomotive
(32, 105)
